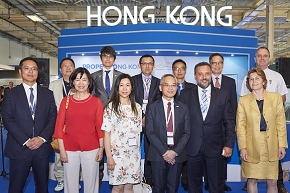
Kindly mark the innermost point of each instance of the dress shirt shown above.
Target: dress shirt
(214, 80)
(165, 106)
(110, 76)
(208, 94)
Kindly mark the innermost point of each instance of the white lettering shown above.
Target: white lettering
(152, 16)
(204, 13)
(229, 17)
(128, 13)
(119, 16)
(90, 16)
(170, 16)
(182, 18)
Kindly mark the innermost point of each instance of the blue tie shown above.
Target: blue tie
(107, 82)
(203, 104)
(31, 100)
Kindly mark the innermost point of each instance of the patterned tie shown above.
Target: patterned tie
(107, 82)
(203, 104)
(31, 100)
(146, 90)
(180, 87)
(217, 84)
(170, 123)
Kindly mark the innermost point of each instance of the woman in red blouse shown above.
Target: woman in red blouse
(82, 141)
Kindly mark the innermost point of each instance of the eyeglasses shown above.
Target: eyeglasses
(179, 68)
(147, 63)
(169, 85)
(217, 63)
(109, 56)
(27, 68)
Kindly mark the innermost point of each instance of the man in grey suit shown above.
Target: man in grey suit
(60, 89)
(104, 80)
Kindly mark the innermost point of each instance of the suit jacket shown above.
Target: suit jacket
(209, 132)
(57, 88)
(187, 85)
(98, 87)
(156, 130)
(248, 125)
(18, 121)
(228, 84)
(154, 93)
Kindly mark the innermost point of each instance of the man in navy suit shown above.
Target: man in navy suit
(210, 110)
(168, 131)
(228, 84)
(179, 71)
(146, 88)
(29, 115)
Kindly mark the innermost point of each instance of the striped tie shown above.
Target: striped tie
(203, 104)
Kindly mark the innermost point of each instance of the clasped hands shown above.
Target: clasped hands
(34, 143)
(169, 156)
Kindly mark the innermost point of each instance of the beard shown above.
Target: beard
(204, 86)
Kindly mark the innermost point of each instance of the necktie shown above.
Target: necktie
(203, 104)
(31, 100)
(146, 90)
(169, 125)
(179, 88)
(217, 84)
(107, 83)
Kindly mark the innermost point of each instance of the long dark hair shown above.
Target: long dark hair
(116, 98)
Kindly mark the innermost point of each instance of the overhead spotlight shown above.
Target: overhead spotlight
(196, 53)
(83, 54)
(177, 52)
(156, 51)
(232, 55)
(34, 18)
(118, 52)
(137, 52)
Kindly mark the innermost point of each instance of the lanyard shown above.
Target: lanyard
(146, 88)
(168, 118)
(64, 88)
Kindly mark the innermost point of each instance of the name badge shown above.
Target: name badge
(170, 141)
(132, 141)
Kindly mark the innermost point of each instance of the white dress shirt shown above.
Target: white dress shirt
(208, 94)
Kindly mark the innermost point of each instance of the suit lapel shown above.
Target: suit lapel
(23, 99)
(266, 104)
(213, 97)
(176, 113)
(113, 84)
(140, 87)
(162, 113)
(152, 87)
(40, 100)
(100, 82)
(253, 103)
(196, 102)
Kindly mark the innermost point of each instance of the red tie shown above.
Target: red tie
(217, 84)
(170, 124)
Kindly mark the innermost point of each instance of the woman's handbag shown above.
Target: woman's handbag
(54, 143)
(142, 187)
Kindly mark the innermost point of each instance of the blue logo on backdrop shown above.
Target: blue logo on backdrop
(116, 66)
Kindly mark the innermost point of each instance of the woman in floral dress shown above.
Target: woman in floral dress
(122, 125)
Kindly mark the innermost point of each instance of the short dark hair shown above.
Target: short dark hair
(67, 59)
(178, 60)
(108, 50)
(25, 59)
(215, 54)
(201, 64)
(262, 47)
(82, 71)
(146, 56)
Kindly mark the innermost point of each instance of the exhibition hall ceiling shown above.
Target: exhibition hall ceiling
(15, 23)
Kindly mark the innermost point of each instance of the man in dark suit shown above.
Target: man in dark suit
(228, 84)
(179, 71)
(29, 115)
(146, 87)
(209, 109)
(104, 81)
(168, 130)
(10, 85)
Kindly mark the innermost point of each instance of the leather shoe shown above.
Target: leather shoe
(282, 190)
(206, 187)
(185, 186)
(245, 187)
(226, 187)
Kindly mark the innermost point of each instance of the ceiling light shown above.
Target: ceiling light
(156, 51)
(196, 53)
(137, 52)
(177, 52)
(232, 54)
(118, 52)
(34, 18)
(83, 54)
